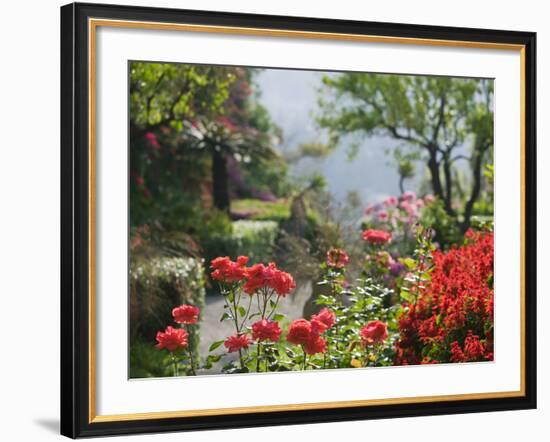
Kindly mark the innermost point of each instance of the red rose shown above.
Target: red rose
(299, 332)
(236, 342)
(337, 258)
(265, 330)
(373, 236)
(186, 314)
(325, 316)
(228, 271)
(172, 339)
(316, 344)
(374, 332)
(260, 276)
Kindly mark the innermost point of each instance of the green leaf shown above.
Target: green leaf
(278, 317)
(225, 316)
(215, 345)
(409, 262)
(242, 310)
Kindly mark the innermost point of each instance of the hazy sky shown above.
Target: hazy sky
(291, 98)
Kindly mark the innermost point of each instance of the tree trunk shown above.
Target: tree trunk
(220, 182)
(402, 184)
(448, 186)
(476, 187)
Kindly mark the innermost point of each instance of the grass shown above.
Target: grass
(262, 210)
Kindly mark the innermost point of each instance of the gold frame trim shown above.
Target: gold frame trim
(93, 24)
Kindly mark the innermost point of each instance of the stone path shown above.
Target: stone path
(212, 330)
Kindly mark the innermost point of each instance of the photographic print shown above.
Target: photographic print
(253, 206)
(289, 220)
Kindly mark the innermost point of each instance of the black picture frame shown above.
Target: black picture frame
(75, 220)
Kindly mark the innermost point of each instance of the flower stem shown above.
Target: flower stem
(190, 351)
(305, 358)
(175, 362)
(258, 354)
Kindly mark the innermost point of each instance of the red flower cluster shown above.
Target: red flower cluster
(228, 271)
(452, 317)
(237, 342)
(373, 236)
(186, 314)
(308, 333)
(264, 330)
(374, 332)
(326, 317)
(337, 258)
(172, 339)
(256, 277)
(260, 276)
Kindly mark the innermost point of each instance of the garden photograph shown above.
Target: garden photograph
(290, 220)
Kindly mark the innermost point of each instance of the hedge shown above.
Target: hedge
(255, 239)
(157, 285)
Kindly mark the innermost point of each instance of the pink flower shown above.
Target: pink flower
(172, 339)
(390, 201)
(186, 314)
(383, 215)
(408, 196)
(236, 342)
(370, 209)
(337, 258)
(374, 332)
(152, 141)
(264, 330)
(429, 199)
(373, 236)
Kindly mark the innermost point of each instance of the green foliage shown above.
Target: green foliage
(445, 228)
(254, 239)
(258, 210)
(170, 93)
(147, 362)
(159, 284)
(433, 116)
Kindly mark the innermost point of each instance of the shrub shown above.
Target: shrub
(254, 239)
(159, 284)
(450, 318)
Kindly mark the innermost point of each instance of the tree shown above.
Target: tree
(185, 120)
(436, 115)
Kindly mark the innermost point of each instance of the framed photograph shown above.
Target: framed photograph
(276, 220)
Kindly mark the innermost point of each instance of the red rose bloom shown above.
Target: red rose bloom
(325, 316)
(315, 344)
(374, 332)
(172, 339)
(260, 276)
(265, 330)
(236, 342)
(299, 332)
(186, 314)
(373, 236)
(337, 258)
(227, 271)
